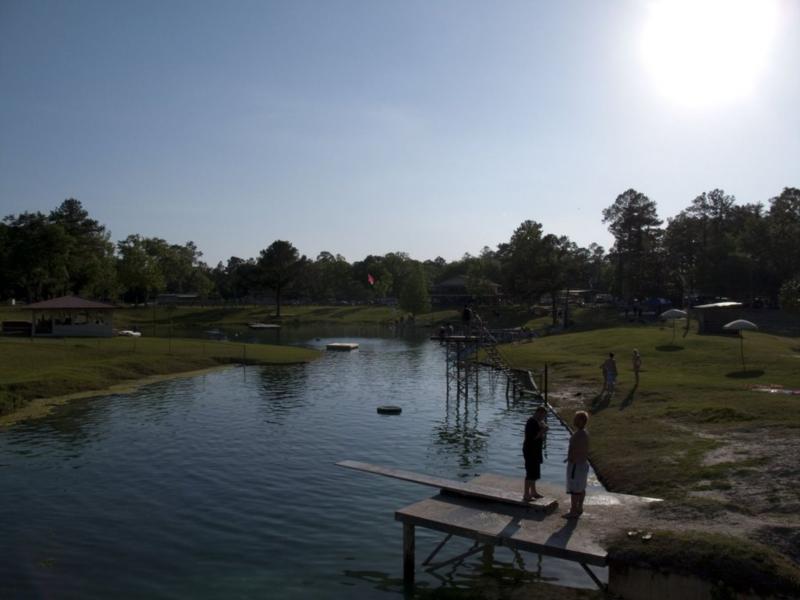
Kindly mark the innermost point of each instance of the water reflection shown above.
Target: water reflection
(280, 390)
(459, 434)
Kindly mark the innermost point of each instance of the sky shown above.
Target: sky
(365, 127)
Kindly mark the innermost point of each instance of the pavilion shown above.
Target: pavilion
(71, 316)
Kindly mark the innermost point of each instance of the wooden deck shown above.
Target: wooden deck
(490, 511)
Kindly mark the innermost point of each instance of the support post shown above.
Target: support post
(545, 383)
(408, 554)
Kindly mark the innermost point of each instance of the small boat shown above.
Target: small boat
(263, 326)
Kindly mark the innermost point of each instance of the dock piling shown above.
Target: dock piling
(408, 554)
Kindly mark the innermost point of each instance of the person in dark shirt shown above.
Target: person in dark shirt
(466, 318)
(532, 450)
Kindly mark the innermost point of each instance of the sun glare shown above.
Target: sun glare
(704, 53)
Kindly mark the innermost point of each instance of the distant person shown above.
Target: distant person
(637, 364)
(532, 450)
(609, 368)
(441, 334)
(466, 318)
(577, 465)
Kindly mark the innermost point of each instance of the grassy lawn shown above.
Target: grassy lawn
(648, 439)
(695, 433)
(155, 321)
(53, 367)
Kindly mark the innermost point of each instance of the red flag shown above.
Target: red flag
(370, 279)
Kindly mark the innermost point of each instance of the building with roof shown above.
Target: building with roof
(712, 317)
(71, 316)
(453, 292)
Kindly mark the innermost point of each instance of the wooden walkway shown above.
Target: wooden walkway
(496, 516)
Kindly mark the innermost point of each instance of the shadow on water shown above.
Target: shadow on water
(669, 348)
(745, 374)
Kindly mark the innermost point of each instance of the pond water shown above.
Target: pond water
(223, 485)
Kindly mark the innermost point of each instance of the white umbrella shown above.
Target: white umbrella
(740, 325)
(672, 315)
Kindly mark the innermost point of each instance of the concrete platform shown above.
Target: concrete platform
(497, 524)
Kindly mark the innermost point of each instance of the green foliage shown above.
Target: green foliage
(730, 563)
(279, 265)
(138, 270)
(790, 295)
(714, 247)
(633, 221)
(414, 297)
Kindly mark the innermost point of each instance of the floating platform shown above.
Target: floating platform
(263, 326)
(342, 346)
(489, 510)
(456, 339)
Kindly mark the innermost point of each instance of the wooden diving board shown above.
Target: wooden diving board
(461, 488)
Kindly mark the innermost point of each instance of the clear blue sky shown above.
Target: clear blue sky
(433, 128)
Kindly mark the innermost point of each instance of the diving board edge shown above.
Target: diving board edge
(449, 485)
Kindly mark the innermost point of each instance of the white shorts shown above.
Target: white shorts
(577, 474)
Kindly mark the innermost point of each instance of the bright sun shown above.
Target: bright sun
(707, 52)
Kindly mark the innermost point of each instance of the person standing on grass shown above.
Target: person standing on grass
(637, 364)
(577, 465)
(609, 374)
(533, 451)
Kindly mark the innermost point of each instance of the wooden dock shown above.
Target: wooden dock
(500, 518)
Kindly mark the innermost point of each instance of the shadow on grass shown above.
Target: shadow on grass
(745, 374)
(629, 398)
(600, 402)
(669, 348)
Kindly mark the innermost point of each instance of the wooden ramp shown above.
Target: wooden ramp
(461, 488)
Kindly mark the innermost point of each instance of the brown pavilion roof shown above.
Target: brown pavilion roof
(69, 303)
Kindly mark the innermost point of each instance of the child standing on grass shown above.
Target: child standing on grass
(637, 364)
(532, 450)
(609, 368)
(578, 465)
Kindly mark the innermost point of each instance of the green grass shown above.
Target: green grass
(644, 441)
(45, 368)
(732, 563)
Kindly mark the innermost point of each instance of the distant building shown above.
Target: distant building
(70, 316)
(711, 317)
(453, 292)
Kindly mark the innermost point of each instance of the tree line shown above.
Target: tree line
(714, 247)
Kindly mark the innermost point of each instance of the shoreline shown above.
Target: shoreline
(41, 407)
